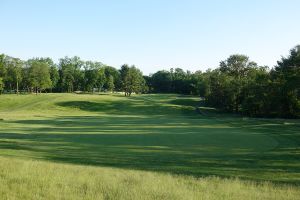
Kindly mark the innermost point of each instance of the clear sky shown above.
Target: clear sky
(152, 34)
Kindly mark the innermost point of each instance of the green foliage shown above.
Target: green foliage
(39, 75)
(241, 86)
(2, 66)
(91, 76)
(54, 76)
(110, 83)
(161, 82)
(132, 80)
(110, 73)
(71, 74)
(237, 66)
(14, 73)
(286, 76)
(1, 85)
(100, 78)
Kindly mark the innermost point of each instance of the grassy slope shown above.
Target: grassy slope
(160, 133)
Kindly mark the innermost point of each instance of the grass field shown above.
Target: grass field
(141, 147)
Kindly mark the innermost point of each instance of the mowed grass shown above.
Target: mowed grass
(141, 147)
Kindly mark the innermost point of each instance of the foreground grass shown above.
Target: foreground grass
(24, 180)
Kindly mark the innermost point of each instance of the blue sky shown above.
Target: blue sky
(152, 34)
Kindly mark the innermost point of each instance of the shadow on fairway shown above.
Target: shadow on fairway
(133, 106)
(186, 102)
(257, 150)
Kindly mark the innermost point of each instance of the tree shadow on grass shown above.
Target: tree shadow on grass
(186, 102)
(198, 147)
(129, 107)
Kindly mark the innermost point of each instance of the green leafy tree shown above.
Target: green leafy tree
(2, 66)
(110, 83)
(286, 76)
(2, 72)
(132, 80)
(72, 76)
(237, 66)
(90, 76)
(258, 94)
(111, 71)
(26, 84)
(14, 73)
(221, 90)
(53, 70)
(1, 85)
(101, 78)
(199, 84)
(39, 75)
(54, 77)
(161, 81)
(125, 78)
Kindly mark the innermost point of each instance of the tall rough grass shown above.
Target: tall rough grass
(27, 179)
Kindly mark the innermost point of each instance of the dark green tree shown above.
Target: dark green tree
(132, 80)
(161, 82)
(110, 83)
(286, 76)
(72, 76)
(237, 66)
(1, 85)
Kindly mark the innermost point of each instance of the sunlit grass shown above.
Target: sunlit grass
(28, 180)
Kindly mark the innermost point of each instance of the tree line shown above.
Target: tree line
(71, 74)
(238, 85)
